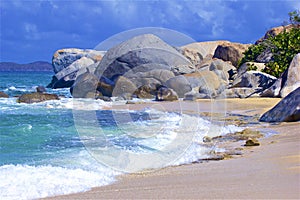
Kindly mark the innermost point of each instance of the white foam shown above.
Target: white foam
(31, 182)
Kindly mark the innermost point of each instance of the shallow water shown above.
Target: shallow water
(65, 146)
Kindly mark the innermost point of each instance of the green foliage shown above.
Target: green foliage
(284, 47)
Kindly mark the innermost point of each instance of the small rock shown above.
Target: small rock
(36, 97)
(207, 139)
(40, 89)
(3, 95)
(252, 142)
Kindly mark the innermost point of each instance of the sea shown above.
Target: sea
(72, 145)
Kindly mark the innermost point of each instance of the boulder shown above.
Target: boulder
(3, 95)
(179, 84)
(254, 79)
(287, 110)
(242, 92)
(105, 86)
(36, 97)
(64, 57)
(265, 57)
(245, 66)
(85, 86)
(273, 90)
(141, 50)
(206, 82)
(66, 77)
(232, 52)
(252, 142)
(124, 88)
(223, 70)
(166, 94)
(291, 80)
(40, 89)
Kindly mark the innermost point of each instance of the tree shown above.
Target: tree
(295, 17)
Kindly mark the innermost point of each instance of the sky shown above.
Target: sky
(32, 30)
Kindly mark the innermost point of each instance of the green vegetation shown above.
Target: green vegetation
(283, 46)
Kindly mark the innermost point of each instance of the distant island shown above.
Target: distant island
(35, 66)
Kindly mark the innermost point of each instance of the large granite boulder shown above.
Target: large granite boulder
(222, 69)
(292, 79)
(241, 92)
(3, 95)
(179, 84)
(141, 50)
(254, 79)
(36, 97)
(287, 110)
(123, 87)
(232, 52)
(85, 86)
(64, 57)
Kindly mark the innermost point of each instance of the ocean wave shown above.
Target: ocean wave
(31, 182)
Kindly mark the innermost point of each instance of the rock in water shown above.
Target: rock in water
(36, 97)
(3, 95)
(287, 110)
(40, 89)
(166, 94)
(252, 142)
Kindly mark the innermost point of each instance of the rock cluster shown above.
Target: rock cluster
(147, 67)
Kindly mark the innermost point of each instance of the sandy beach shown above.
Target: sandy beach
(268, 171)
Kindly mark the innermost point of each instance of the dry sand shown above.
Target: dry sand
(268, 171)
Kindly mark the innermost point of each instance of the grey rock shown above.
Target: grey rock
(245, 66)
(179, 84)
(147, 91)
(166, 94)
(64, 57)
(273, 90)
(40, 89)
(224, 70)
(85, 86)
(287, 110)
(124, 88)
(265, 57)
(141, 50)
(291, 80)
(254, 79)
(243, 92)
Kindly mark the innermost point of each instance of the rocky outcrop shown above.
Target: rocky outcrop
(254, 79)
(36, 97)
(287, 110)
(40, 89)
(275, 31)
(232, 52)
(140, 53)
(289, 80)
(166, 94)
(70, 63)
(64, 57)
(3, 95)
(179, 84)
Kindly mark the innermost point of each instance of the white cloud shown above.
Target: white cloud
(31, 31)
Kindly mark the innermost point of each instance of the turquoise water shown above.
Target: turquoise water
(66, 146)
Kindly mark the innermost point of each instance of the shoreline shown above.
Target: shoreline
(271, 170)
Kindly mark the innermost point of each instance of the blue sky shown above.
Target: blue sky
(34, 30)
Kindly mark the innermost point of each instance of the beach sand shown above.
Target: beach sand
(268, 171)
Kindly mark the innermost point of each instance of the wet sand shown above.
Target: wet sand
(268, 171)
